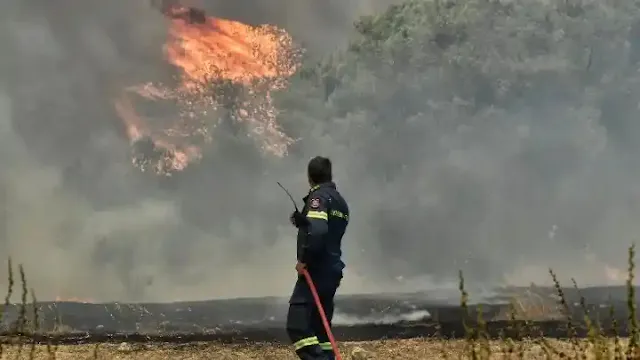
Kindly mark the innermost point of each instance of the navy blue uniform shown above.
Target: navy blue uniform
(319, 247)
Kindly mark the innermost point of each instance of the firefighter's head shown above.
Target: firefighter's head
(319, 171)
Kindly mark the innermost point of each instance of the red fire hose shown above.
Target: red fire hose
(323, 316)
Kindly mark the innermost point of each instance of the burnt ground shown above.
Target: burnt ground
(360, 317)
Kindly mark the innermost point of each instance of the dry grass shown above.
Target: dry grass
(418, 349)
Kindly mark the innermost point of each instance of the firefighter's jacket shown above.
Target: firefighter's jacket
(319, 243)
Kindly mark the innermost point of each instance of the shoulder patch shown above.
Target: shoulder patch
(314, 203)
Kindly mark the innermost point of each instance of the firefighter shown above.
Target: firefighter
(321, 225)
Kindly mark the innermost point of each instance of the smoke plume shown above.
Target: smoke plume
(82, 220)
(531, 188)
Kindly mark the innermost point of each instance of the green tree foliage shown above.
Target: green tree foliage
(499, 116)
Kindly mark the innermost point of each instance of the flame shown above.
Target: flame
(227, 69)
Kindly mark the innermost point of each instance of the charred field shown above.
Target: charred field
(520, 322)
(508, 322)
(513, 313)
(528, 323)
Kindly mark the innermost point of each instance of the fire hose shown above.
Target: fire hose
(323, 315)
(316, 297)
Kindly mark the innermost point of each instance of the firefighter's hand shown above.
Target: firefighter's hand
(300, 266)
(298, 220)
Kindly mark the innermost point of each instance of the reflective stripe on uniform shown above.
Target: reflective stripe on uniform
(310, 341)
(322, 215)
(326, 346)
(339, 214)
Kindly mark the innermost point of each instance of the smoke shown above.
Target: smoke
(344, 319)
(320, 26)
(488, 158)
(531, 188)
(80, 218)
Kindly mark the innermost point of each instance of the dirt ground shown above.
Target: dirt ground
(419, 349)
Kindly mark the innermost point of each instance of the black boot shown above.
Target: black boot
(312, 353)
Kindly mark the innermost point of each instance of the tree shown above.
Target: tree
(474, 126)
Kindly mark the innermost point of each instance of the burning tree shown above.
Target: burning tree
(226, 70)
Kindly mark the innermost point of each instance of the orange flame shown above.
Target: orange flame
(226, 48)
(213, 57)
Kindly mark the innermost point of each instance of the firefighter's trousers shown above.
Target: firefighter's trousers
(304, 324)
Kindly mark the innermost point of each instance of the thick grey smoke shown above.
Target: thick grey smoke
(530, 189)
(504, 154)
(321, 26)
(81, 219)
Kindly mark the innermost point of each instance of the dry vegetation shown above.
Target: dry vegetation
(16, 343)
(390, 349)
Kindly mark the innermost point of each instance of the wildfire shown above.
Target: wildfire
(226, 70)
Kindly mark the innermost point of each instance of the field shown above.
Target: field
(589, 335)
(390, 349)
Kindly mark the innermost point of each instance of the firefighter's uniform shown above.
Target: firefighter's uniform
(319, 247)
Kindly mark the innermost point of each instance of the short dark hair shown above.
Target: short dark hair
(319, 170)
